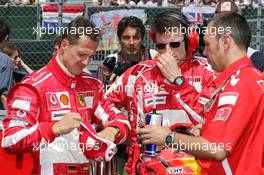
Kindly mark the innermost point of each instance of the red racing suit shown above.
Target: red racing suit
(42, 99)
(134, 90)
(235, 121)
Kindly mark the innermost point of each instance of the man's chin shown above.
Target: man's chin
(76, 72)
(132, 52)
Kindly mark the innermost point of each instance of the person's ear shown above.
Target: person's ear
(226, 41)
(64, 44)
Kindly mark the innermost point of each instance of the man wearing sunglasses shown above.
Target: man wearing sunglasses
(231, 140)
(144, 89)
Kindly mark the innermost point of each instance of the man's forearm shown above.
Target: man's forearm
(199, 147)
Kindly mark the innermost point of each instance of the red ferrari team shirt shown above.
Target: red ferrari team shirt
(235, 121)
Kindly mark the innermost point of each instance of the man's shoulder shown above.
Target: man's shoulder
(250, 73)
(3, 56)
(202, 63)
(141, 67)
(33, 83)
(248, 79)
(38, 78)
(201, 60)
(251, 51)
(5, 65)
(4, 59)
(257, 59)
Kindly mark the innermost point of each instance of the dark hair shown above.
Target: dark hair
(168, 21)
(80, 26)
(4, 31)
(9, 49)
(239, 28)
(133, 22)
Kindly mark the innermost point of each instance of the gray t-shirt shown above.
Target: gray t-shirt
(6, 74)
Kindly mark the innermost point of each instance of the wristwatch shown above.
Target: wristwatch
(170, 139)
(179, 80)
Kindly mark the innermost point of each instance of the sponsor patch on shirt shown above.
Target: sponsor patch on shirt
(58, 115)
(149, 88)
(153, 87)
(58, 100)
(89, 101)
(17, 122)
(195, 81)
(261, 84)
(85, 99)
(228, 98)
(161, 90)
(176, 170)
(159, 100)
(222, 114)
(21, 102)
(21, 113)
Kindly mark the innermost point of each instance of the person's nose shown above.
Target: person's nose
(131, 41)
(86, 61)
(168, 48)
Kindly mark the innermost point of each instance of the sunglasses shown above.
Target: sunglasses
(174, 45)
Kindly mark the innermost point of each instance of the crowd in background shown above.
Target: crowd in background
(138, 3)
(167, 48)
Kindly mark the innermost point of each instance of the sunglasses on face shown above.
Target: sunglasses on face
(175, 44)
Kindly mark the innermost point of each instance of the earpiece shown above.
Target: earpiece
(191, 38)
(151, 36)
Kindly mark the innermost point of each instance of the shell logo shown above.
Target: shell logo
(64, 99)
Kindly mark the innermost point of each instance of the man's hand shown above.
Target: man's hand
(169, 67)
(69, 122)
(109, 133)
(196, 130)
(3, 101)
(153, 134)
(112, 78)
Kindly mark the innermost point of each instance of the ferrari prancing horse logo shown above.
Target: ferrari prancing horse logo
(81, 100)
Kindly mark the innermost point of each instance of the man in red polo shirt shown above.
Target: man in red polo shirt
(232, 137)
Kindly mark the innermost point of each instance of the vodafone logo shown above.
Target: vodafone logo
(21, 113)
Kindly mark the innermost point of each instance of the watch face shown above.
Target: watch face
(168, 140)
(178, 81)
